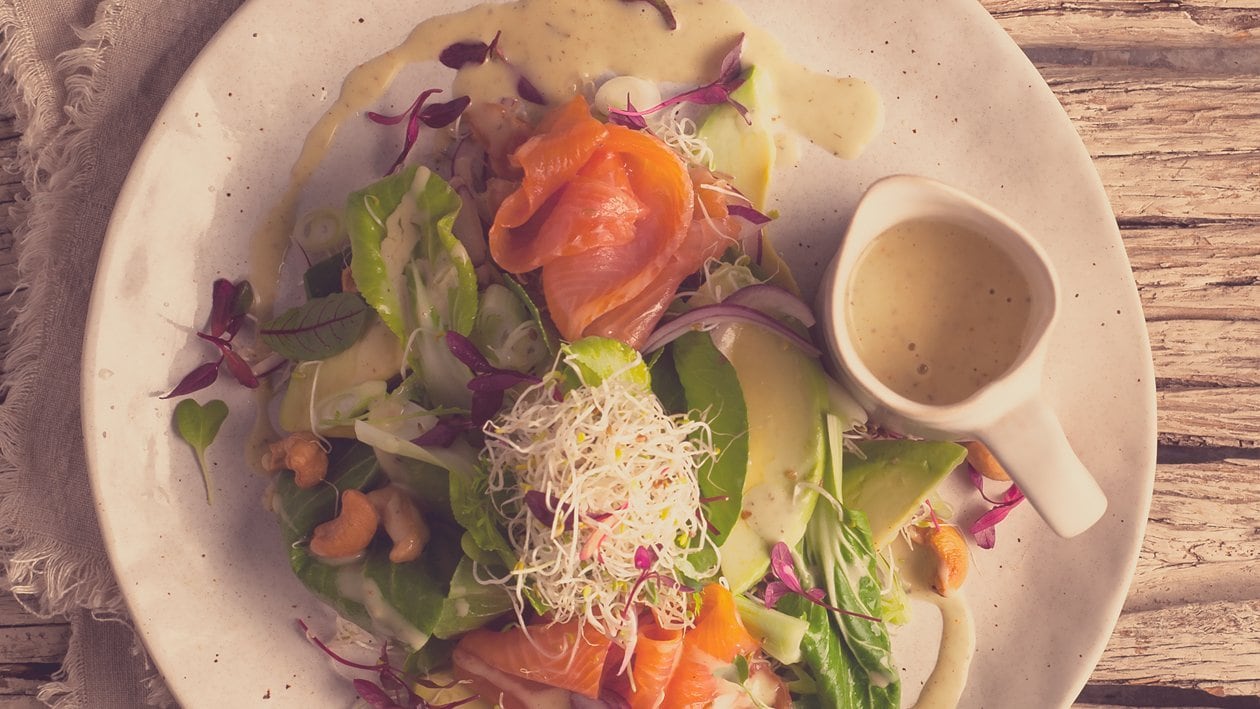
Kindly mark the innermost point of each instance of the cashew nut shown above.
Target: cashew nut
(982, 460)
(950, 549)
(300, 452)
(350, 531)
(403, 523)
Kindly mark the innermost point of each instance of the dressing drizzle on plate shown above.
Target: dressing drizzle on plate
(562, 47)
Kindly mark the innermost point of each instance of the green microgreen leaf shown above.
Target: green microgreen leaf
(319, 329)
(741, 668)
(198, 425)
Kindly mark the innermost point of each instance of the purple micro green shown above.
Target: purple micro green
(667, 15)
(374, 695)
(499, 381)
(748, 214)
(461, 54)
(488, 382)
(440, 115)
(237, 365)
(412, 115)
(229, 304)
(387, 120)
(203, 376)
(936, 521)
(524, 87)
(467, 353)
(223, 297)
(544, 508)
(644, 558)
(526, 90)
(537, 503)
(390, 676)
(783, 568)
(984, 529)
(444, 432)
(631, 118)
(729, 79)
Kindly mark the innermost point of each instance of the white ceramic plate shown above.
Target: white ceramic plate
(209, 586)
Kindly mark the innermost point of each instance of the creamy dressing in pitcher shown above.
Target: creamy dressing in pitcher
(936, 310)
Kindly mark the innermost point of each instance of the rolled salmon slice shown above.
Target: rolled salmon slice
(555, 655)
(656, 655)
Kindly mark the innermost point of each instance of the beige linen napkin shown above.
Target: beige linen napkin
(86, 81)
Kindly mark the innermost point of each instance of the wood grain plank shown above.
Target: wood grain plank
(1182, 185)
(21, 702)
(1222, 656)
(13, 614)
(33, 643)
(1202, 539)
(22, 681)
(1207, 271)
(1205, 353)
(8, 124)
(1128, 23)
(1226, 417)
(1128, 110)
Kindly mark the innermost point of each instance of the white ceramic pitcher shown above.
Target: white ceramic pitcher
(1009, 414)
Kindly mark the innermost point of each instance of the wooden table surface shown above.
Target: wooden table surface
(1166, 96)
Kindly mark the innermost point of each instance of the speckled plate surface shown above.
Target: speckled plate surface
(209, 586)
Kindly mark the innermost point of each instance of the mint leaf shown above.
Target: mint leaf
(198, 425)
(318, 329)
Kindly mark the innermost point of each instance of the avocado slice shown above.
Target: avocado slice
(785, 395)
(377, 355)
(745, 152)
(892, 478)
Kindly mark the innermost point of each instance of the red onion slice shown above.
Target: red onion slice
(720, 313)
(772, 299)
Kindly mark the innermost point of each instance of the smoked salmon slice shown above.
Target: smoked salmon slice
(656, 655)
(716, 640)
(613, 219)
(555, 655)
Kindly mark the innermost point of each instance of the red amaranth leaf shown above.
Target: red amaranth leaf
(318, 329)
